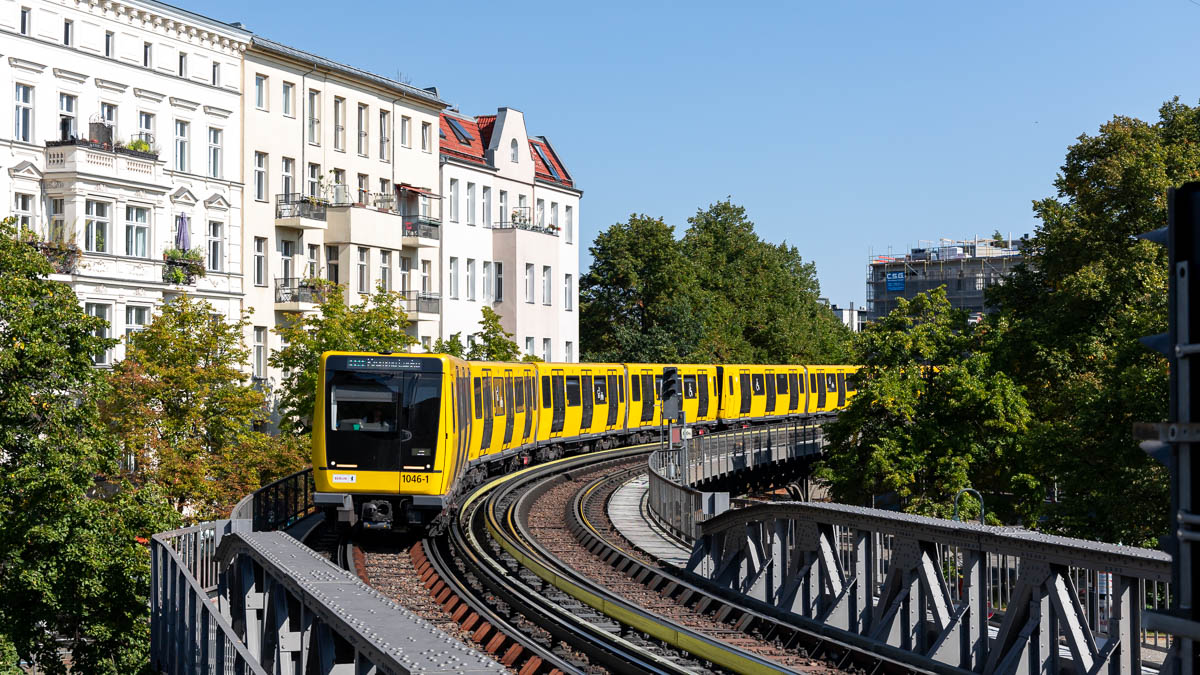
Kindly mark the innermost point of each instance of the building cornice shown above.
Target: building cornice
(171, 21)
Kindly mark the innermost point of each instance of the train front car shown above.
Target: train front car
(384, 447)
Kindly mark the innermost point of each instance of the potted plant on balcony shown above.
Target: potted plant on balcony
(183, 267)
(62, 251)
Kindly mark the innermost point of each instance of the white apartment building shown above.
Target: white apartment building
(125, 119)
(511, 219)
(341, 173)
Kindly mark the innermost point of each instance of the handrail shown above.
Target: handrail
(279, 504)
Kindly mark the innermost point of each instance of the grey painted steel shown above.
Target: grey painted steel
(280, 504)
(299, 612)
(927, 585)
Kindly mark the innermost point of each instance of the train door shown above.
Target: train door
(794, 383)
(647, 397)
(841, 389)
(614, 400)
(585, 423)
(744, 387)
(510, 410)
(702, 406)
(770, 392)
(530, 406)
(560, 402)
(818, 382)
(486, 441)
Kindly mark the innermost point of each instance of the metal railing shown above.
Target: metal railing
(422, 226)
(294, 289)
(520, 219)
(299, 205)
(422, 302)
(278, 505)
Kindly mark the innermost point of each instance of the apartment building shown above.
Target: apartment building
(124, 126)
(511, 214)
(342, 175)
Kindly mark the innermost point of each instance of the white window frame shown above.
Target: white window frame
(23, 210)
(260, 352)
(513, 150)
(68, 107)
(147, 54)
(101, 310)
(426, 277)
(364, 139)
(57, 231)
(260, 261)
(260, 176)
(406, 131)
(26, 26)
(487, 281)
(287, 179)
(529, 346)
(135, 227)
(183, 64)
(313, 125)
(426, 137)
(23, 116)
(314, 179)
(97, 228)
(183, 131)
(216, 73)
(339, 124)
(470, 278)
(261, 89)
(216, 246)
(288, 92)
(385, 138)
(541, 213)
(547, 285)
(569, 351)
(530, 271)
(364, 270)
(453, 275)
(454, 200)
(136, 319)
(332, 264)
(68, 32)
(314, 253)
(486, 203)
(110, 44)
(498, 286)
(470, 203)
(215, 138)
(567, 294)
(547, 350)
(385, 269)
(570, 224)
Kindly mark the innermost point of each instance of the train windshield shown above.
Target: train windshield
(383, 421)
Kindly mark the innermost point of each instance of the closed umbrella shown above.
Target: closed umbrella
(183, 238)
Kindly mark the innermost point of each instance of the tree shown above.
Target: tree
(454, 346)
(71, 568)
(1071, 316)
(378, 323)
(931, 416)
(492, 342)
(184, 410)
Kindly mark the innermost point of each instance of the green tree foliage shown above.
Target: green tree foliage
(183, 408)
(378, 323)
(71, 567)
(931, 416)
(492, 342)
(720, 295)
(454, 346)
(1072, 315)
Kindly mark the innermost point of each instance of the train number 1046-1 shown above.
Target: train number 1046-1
(414, 478)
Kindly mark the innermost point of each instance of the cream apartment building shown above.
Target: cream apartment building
(341, 173)
(124, 122)
(511, 214)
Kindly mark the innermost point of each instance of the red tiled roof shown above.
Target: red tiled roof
(480, 130)
(486, 124)
(472, 151)
(539, 168)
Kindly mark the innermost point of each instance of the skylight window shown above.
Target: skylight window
(542, 153)
(459, 131)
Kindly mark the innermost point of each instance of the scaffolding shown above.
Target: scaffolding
(966, 267)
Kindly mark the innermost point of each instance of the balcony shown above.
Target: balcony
(422, 305)
(519, 219)
(297, 295)
(377, 220)
(104, 159)
(300, 211)
(422, 227)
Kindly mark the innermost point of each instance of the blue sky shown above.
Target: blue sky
(842, 127)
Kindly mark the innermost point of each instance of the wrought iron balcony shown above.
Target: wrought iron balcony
(298, 205)
(422, 302)
(422, 226)
(293, 289)
(519, 219)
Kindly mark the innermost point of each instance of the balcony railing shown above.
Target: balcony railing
(519, 219)
(422, 226)
(298, 290)
(422, 302)
(298, 205)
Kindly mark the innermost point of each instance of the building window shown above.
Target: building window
(339, 181)
(136, 318)
(214, 152)
(26, 21)
(181, 145)
(529, 283)
(385, 270)
(288, 167)
(260, 352)
(216, 246)
(554, 215)
(147, 55)
(260, 261)
(504, 215)
(108, 113)
(23, 115)
(546, 353)
(96, 227)
(260, 92)
(470, 203)
(260, 176)
(406, 131)
(529, 346)
(364, 275)
(364, 188)
(487, 281)
(487, 206)
(331, 264)
(546, 285)
(289, 99)
(570, 216)
(454, 278)
(569, 351)
(405, 268)
(567, 294)
(454, 200)
(287, 253)
(58, 230)
(109, 43)
(499, 267)
(385, 188)
(426, 136)
(137, 231)
(541, 213)
(68, 32)
(314, 121)
(512, 151)
(313, 255)
(314, 179)
(182, 64)
(23, 210)
(426, 273)
(427, 343)
(470, 279)
(362, 129)
(216, 74)
(102, 312)
(385, 137)
(339, 124)
(66, 116)
(146, 127)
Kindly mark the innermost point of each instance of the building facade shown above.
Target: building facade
(510, 212)
(125, 126)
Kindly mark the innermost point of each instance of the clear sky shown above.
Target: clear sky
(842, 127)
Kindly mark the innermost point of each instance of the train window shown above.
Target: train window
(658, 387)
(781, 383)
(546, 402)
(478, 399)
(756, 384)
(831, 382)
(689, 386)
(573, 397)
(637, 388)
(621, 388)
(812, 383)
(601, 387)
(852, 381)
(529, 393)
(498, 396)
(730, 383)
(797, 382)
(519, 404)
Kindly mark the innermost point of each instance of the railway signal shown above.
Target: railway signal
(672, 396)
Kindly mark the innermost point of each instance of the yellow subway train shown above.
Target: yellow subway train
(397, 438)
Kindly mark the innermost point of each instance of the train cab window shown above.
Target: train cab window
(573, 397)
(498, 396)
(756, 384)
(379, 421)
(601, 387)
(519, 403)
(546, 401)
(478, 399)
(637, 388)
(689, 386)
(781, 383)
